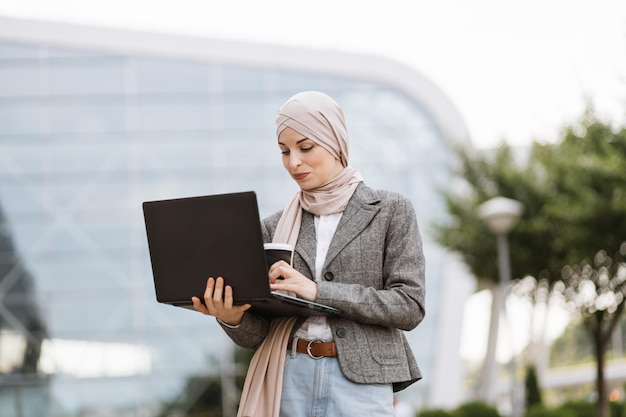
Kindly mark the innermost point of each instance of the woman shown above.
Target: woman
(356, 249)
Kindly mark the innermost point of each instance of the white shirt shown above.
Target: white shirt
(315, 327)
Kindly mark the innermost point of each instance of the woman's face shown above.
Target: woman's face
(308, 163)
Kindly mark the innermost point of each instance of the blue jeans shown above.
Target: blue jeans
(318, 388)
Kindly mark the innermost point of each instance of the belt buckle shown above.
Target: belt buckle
(308, 348)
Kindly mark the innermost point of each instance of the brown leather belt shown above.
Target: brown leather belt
(316, 348)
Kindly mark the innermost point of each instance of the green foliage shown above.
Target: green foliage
(475, 409)
(468, 409)
(568, 409)
(542, 411)
(573, 230)
(617, 409)
(579, 408)
(588, 186)
(573, 409)
(574, 195)
(486, 176)
(435, 413)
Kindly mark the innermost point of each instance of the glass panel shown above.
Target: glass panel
(173, 113)
(159, 76)
(18, 117)
(236, 79)
(20, 80)
(10, 51)
(89, 75)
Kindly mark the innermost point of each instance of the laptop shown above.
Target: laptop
(191, 239)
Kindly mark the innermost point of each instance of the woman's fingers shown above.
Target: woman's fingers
(283, 277)
(229, 302)
(228, 297)
(218, 291)
(279, 270)
(213, 287)
(208, 291)
(219, 301)
(198, 306)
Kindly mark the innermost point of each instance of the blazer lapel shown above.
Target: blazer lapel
(361, 209)
(358, 214)
(307, 244)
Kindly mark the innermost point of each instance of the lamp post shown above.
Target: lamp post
(500, 214)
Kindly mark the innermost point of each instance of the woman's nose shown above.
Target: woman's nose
(295, 160)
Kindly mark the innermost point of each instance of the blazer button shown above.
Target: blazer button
(329, 276)
(341, 332)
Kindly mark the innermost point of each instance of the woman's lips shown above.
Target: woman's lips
(301, 176)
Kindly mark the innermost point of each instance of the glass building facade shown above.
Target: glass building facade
(87, 133)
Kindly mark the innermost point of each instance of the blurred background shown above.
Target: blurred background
(104, 105)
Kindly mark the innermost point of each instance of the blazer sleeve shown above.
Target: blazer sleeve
(379, 277)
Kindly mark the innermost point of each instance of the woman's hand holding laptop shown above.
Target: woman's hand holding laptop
(218, 302)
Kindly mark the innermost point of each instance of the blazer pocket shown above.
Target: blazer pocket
(385, 345)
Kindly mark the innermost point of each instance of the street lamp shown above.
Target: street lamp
(500, 214)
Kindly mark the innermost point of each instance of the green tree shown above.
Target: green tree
(588, 182)
(595, 291)
(483, 176)
(502, 173)
(574, 193)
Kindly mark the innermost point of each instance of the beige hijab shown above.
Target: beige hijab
(319, 118)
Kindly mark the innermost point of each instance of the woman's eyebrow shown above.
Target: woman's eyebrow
(297, 142)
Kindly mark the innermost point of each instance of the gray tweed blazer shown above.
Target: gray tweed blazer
(373, 273)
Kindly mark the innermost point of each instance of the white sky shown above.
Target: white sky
(516, 70)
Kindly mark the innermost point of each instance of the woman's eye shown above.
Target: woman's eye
(306, 149)
(284, 152)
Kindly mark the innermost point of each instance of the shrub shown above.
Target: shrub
(539, 410)
(617, 409)
(475, 409)
(435, 413)
(579, 408)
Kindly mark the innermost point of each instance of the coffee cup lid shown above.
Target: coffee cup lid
(277, 246)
